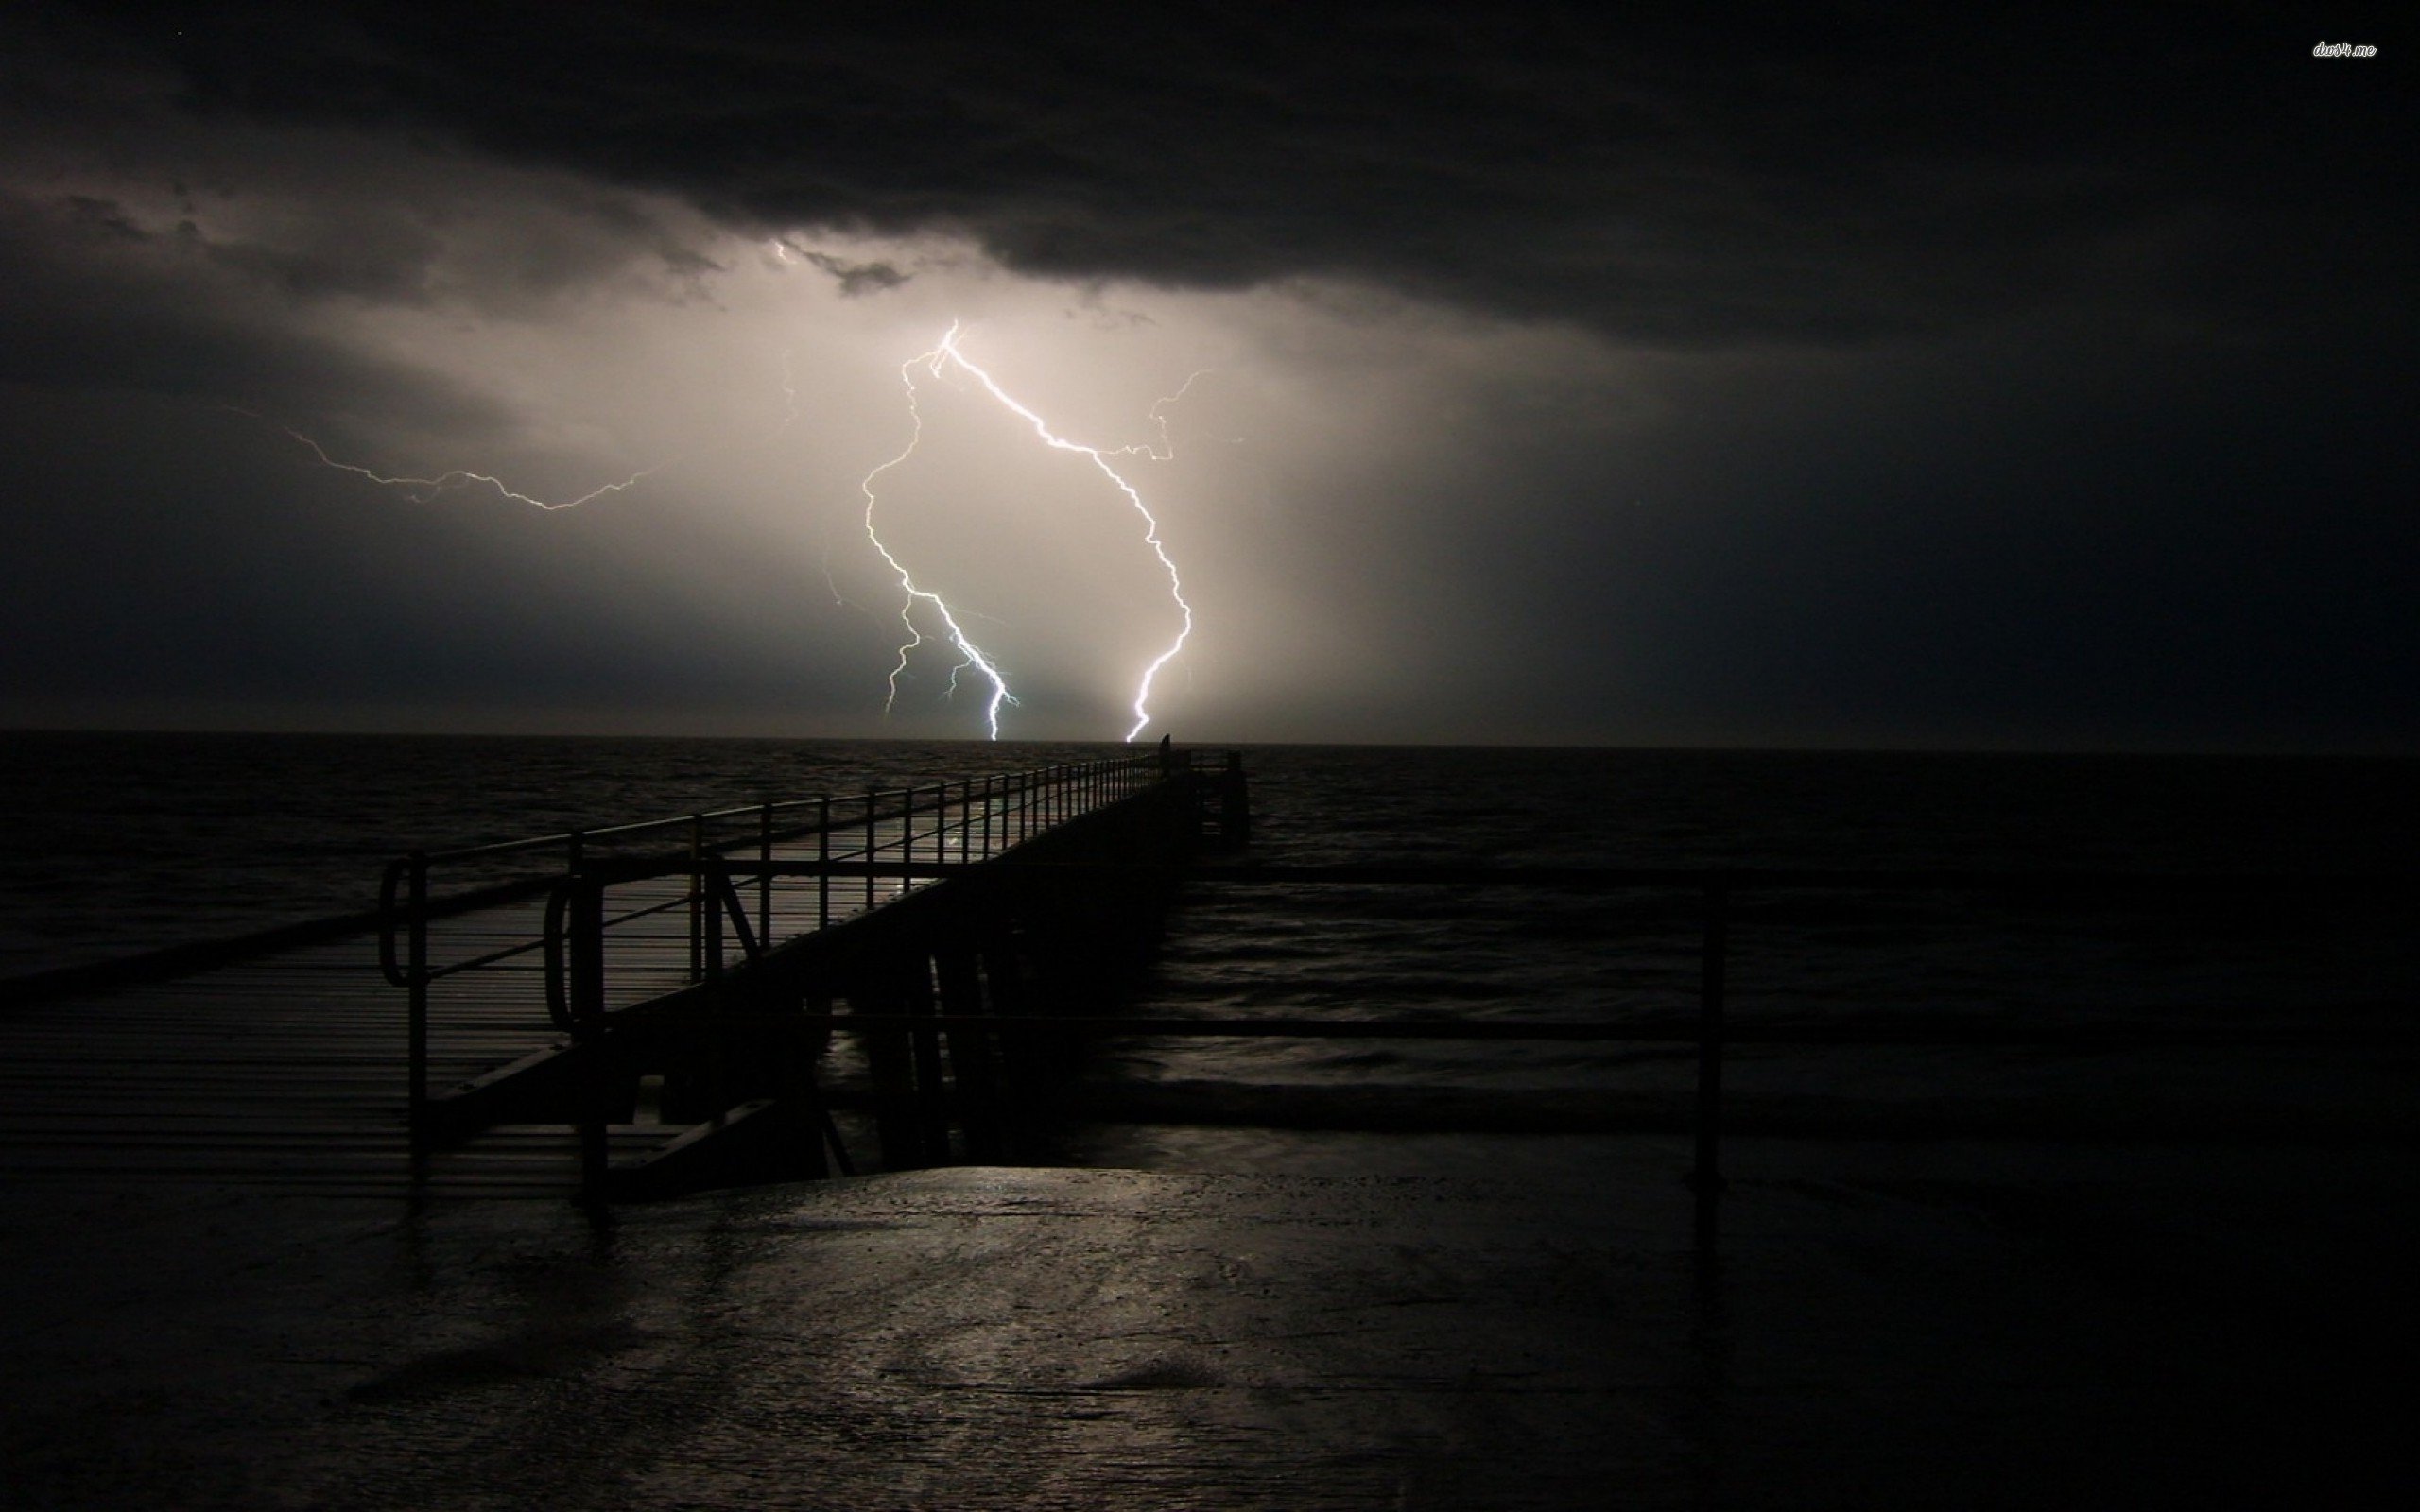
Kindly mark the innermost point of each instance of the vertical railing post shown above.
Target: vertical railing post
(823, 861)
(586, 969)
(764, 876)
(873, 801)
(1707, 1178)
(416, 974)
(696, 897)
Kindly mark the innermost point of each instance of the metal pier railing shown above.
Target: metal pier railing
(474, 922)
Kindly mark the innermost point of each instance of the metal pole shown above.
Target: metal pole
(872, 802)
(765, 878)
(1707, 1176)
(823, 862)
(696, 897)
(416, 972)
(587, 969)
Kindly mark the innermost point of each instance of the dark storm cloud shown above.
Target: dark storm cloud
(96, 301)
(1966, 374)
(1816, 172)
(857, 279)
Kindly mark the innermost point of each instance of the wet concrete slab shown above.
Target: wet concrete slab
(1887, 1327)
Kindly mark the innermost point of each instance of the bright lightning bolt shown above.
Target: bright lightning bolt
(948, 354)
(970, 653)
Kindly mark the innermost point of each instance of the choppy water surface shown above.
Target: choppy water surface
(1828, 956)
(120, 843)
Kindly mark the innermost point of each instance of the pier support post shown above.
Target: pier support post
(1235, 806)
(932, 1094)
(889, 1066)
(970, 1049)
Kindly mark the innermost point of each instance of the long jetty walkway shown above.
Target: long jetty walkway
(340, 1064)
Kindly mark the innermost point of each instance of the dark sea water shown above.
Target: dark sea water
(2271, 959)
(120, 843)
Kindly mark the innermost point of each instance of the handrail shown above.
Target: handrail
(880, 806)
(914, 815)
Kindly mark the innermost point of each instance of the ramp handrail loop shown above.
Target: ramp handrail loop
(557, 991)
(388, 885)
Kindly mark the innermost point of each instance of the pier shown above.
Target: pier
(699, 981)
(426, 1048)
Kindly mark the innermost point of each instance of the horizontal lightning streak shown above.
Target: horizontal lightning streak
(423, 490)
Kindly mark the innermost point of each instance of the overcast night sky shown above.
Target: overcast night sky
(1933, 376)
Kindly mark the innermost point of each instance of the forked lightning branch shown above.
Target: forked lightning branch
(920, 600)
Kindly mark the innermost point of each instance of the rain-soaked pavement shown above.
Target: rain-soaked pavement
(1888, 1326)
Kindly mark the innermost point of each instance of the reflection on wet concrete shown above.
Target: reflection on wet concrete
(1991, 1324)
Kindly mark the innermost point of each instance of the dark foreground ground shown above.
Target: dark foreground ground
(1988, 1324)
